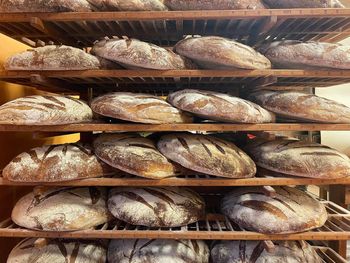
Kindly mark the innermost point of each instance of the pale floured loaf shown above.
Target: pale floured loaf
(56, 163)
(158, 251)
(34, 250)
(129, 5)
(213, 4)
(207, 154)
(304, 3)
(156, 207)
(219, 106)
(44, 110)
(142, 108)
(44, 6)
(289, 210)
(299, 158)
(214, 52)
(62, 209)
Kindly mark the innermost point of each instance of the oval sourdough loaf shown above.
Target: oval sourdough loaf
(52, 57)
(158, 251)
(304, 3)
(58, 251)
(288, 211)
(133, 53)
(130, 5)
(62, 209)
(56, 163)
(156, 207)
(299, 158)
(302, 106)
(254, 251)
(213, 4)
(304, 55)
(219, 106)
(133, 154)
(44, 110)
(206, 154)
(44, 6)
(221, 53)
(135, 107)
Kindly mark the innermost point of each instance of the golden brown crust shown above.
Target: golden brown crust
(213, 4)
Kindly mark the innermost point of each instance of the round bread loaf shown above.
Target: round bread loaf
(219, 107)
(58, 251)
(135, 107)
(254, 251)
(299, 158)
(289, 210)
(214, 52)
(130, 5)
(133, 154)
(56, 163)
(44, 6)
(158, 251)
(206, 154)
(213, 4)
(62, 209)
(156, 207)
(304, 3)
(302, 106)
(44, 110)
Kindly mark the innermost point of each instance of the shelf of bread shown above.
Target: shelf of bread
(329, 255)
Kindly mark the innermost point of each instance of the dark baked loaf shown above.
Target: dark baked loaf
(34, 250)
(129, 5)
(156, 207)
(214, 52)
(56, 163)
(135, 107)
(219, 107)
(62, 209)
(302, 106)
(289, 211)
(299, 158)
(133, 154)
(254, 251)
(44, 6)
(304, 3)
(158, 251)
(213, 4)
(206, 154)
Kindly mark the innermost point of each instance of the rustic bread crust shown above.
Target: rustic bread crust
(213, 4)
(44, 6)
(130, 5)
(304, 3)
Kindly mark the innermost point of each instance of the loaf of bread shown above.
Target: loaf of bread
(288, 210)
(41, 250)
(307, 55)
(219, 107)
(158, 251)
(156, 207)
(133, 53)
(53, 57)
(62, 209)
(304, 3)
(214, 52)
(56, 163)
(213, 4)
(254, 251)
(302, 106)
(44, 6)
(129, 5)
(134, 107)
(299, 158)
(133, 154)
(44, 110)
(206, 154)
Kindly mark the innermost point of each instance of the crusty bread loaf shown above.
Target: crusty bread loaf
(302, 106)
(52, 57)
(219, 106)
(305, 55)
(206, 154)
(143, 108)
(158, 251)
(133, 154)
(44, 110)
(156, 207)
(34, 250)
(304, 3)
(133, 53)
(214, 52)
(62, 209)
(254, 251)
(44, 6)
(213, 4)
(299, 158)
(130, 5)
(288, 211)
(56, 163)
